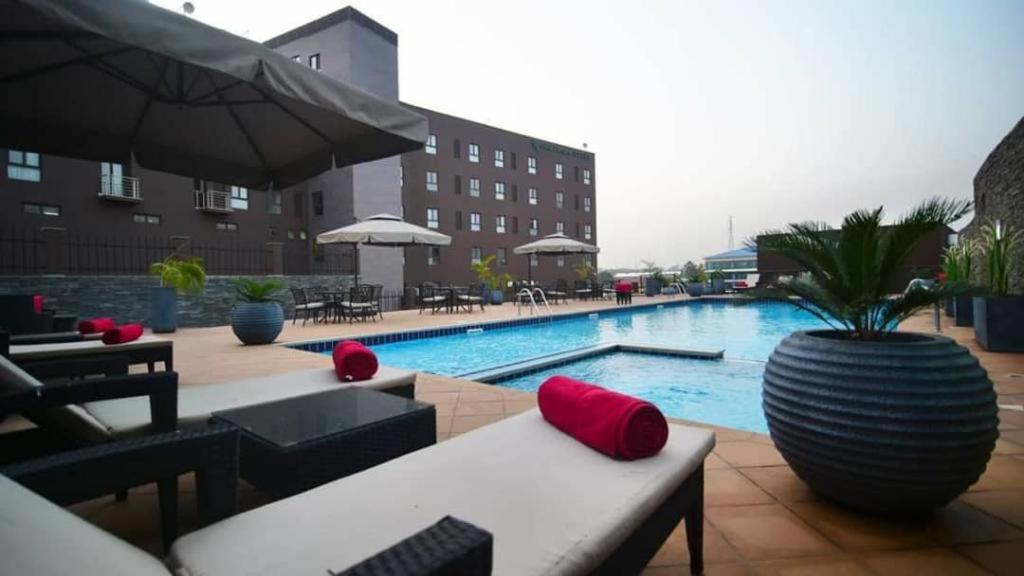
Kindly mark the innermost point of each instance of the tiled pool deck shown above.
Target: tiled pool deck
(760, 519)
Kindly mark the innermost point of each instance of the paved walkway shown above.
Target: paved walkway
(760, 518)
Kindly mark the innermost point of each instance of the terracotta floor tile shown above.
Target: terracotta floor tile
(1015, 436)
(855, 531)
(746, 453)
(1011, 419)
(727, 487)
(674, 551)
(468, 408)
(709, 570)
(931, 562)
(762, 439)
(462, 424)
(1007, 505)
(830, 565)
(768, 531)
(518, 405)
(780, 482)
(480, 395)
(959, 523)
(436, 398)
(1002, 473)
(444, 424)
(713, 462)
(1001, 559)
(1004, 447)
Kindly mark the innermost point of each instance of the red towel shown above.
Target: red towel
(37, 304)
(96, 325)
(123, 333)
(618, 425)
(353, 361)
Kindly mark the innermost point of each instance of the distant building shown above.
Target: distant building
(734, 264)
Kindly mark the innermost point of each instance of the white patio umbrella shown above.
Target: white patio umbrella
(554, 244)
(383, 230)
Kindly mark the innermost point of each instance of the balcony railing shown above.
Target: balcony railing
(213, 201)
(124, 188)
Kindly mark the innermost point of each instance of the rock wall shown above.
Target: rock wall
(126, 298)
(999, 195)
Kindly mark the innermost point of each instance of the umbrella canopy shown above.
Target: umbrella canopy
(384, 230)
(556, 244)
(104, 80)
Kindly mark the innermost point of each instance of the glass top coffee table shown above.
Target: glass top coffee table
(292, 445)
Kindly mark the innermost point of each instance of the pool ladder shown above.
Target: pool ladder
(681, 287)
(527, 293)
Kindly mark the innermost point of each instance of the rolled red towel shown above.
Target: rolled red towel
(616, 424)
(37, 304)
(123, 333)
(96, 325)
(353, 361)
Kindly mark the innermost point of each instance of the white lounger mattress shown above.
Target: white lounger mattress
(553, 505)
(195, 404)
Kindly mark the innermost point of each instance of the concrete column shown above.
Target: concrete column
(55, 249)
(275, 258)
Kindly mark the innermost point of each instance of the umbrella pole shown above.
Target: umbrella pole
(529, 269)
(355, 254)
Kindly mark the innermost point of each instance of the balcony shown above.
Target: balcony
(213, 201)
(121, 188)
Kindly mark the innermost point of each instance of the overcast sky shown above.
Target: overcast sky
(770, 112)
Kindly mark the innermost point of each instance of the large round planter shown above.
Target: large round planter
(163, 311)
(497, 297)
(695, 289)
(898, 427)
(652, 287)
(999, 323)
(257, 322)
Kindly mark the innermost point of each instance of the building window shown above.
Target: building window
(515, 193)
(274, 207)
(560, 261)
(559, 199)
(589, 259)
(314, 61)
(499, 224)
(514, 167)
(458, 219)
(531, 164)
(588, 232)
(474, 187)
(586, 176)
(533, 260)
(499, 158)
(456, 148)
(476, 255)
(474, 153)
(431, 181)
(302, 234)
(23, 166)
(433, 218)
(515, 224)
(534, 227)
(431, 145)
(558, 171)
(139, 218)
(458, 184)
(499, 190)
(297, 58)
(433, 255)
(299, 201)
(576, 202)
(474, 221)
(227, 226)
(559, 227)
(41, 209)
(318, 203)
(401, 175)
(501, 256)
(586, 203)
(272, 231)
(532, 196)
(239, 198)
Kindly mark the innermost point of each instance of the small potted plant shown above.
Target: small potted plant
(493, 283)
(884, 421)
(999, 314)
(962, 267)
(178, 275)
(259, 318)
(695, 283)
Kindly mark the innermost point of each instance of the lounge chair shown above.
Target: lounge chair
(146, 350)
(559, 292)
(429, 297)
(360, 303)
(582, 290)
(469, 297)
(305, 306)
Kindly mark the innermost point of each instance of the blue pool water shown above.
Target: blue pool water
(726, 393)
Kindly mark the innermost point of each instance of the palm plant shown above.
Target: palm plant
(249, 290)
(999, 242)
(848, 270)
(182, 274)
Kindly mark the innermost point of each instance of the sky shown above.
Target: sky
(766, 111)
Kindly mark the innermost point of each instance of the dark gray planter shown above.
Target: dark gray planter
(694, 289)
(898, 427)
(651, 287)
(497, 297)
(163, 310)
(963, 310)
(257, 322)
(999, 323)
(947, 307)
(718, 285)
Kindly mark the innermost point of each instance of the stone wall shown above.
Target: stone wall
(126, 298)
(999, 195)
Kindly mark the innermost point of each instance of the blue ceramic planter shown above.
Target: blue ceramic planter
(163, 314)
(257, 322)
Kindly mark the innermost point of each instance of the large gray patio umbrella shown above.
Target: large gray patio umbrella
(103, 80)
(554, 244)
(383, 230)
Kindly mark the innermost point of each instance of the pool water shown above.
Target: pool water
(726, 393)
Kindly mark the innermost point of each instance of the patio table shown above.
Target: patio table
(292, 445)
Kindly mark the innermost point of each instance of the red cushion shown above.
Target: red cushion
(612, 423)
(123, 333)
(353, 361)
(37, 304)
(96, 325)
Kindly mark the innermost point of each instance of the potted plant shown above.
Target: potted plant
(695, 283)
(963, 255)
(259, 318)
(717, 282)
(493, 283)
(654, 278)
(178, 275)
(999, 315)
(888, 422)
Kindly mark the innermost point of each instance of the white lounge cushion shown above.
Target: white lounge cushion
(34, 351)
(195, 404)
(553, 505)
(39, 537)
